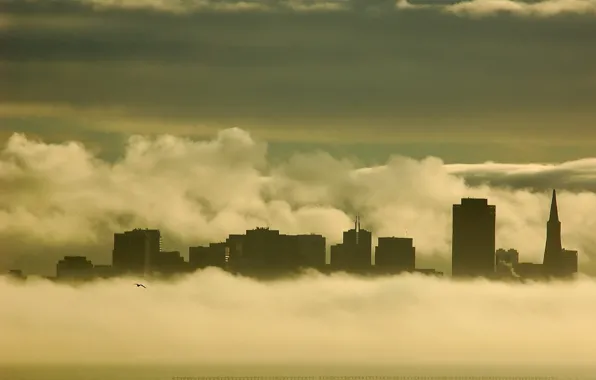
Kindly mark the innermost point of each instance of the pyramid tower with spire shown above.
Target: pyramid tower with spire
(553, 250)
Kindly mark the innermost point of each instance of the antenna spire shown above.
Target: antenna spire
(554, 212)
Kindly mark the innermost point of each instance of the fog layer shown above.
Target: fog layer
(213, 317)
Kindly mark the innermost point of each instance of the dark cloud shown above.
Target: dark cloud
(419, 75)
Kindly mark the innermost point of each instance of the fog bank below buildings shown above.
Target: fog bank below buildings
(214, 318)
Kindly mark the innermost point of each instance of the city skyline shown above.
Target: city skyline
(382, 183)
(266, 253)
(379, 183)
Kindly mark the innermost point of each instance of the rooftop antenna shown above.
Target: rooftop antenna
(357, 228)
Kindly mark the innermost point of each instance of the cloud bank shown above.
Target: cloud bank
(468, 8)
(545, 8)
(473, 7)
(55, 196)
(215, 318)
(480, 8)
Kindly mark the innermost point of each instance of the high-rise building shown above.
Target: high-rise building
(396, 254)
(134, 250)
(357, 248)
(473, 239)
(557, 261)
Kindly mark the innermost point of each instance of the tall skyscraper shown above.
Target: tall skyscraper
(357, 247)
(553, 249)
(134, 250)
(473, 239)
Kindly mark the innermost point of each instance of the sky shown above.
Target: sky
(468, 82)
(205, 118)
(218, 319)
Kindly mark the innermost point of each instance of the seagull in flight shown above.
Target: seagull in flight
(138, 285)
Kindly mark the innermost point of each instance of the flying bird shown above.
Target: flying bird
(141, 285)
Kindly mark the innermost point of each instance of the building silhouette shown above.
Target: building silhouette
(266, 252)
(552, 262)
(506, 262)
(103, 271)
(304, 251)
(395, 255)
(336, 256)
(570, 262)
(74, 268)
(557, 262)
(213, 255)
(168, 263)
(234, 244)
(473, 239)
(531, 271)
(261, 252)
(133, 251)
(510, 256)
(17, 274)
(355, 252)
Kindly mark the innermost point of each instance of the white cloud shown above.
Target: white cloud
(478, 8)
(214, 318)
(200, 191)
(184, 6)
(541, 8)
(475, 8)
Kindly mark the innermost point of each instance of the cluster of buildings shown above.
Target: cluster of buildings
(473, 246)
(266, 253)
(261, 253)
